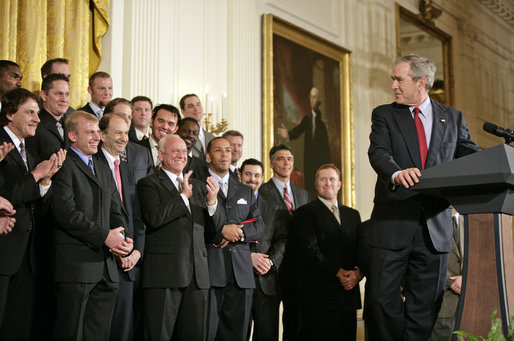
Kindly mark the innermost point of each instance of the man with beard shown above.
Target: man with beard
(188, 131)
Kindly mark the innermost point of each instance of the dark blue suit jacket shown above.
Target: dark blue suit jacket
(394, 146)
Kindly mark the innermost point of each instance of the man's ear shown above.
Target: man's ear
(42, 94)
(72, 136)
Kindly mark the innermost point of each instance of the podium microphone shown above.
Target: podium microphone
(492, 128)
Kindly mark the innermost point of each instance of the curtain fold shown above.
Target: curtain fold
(34, 31)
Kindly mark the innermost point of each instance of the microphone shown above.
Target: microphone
(492, 128)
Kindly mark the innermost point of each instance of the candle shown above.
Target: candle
(224, 113)
(206, 106)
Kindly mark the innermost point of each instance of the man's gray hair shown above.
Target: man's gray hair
(420, 67)
(163, 140)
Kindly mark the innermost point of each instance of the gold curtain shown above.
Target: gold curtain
(33, 31)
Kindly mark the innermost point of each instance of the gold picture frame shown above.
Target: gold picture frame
(295, 61)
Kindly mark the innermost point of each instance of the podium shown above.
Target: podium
(481, 186)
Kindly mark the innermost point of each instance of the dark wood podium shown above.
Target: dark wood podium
(481, 186)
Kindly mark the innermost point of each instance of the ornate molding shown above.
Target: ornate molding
(502, 8)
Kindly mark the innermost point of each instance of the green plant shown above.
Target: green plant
(494, 335)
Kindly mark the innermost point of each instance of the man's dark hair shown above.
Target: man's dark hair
(46, 69)
(12, 100)
(167, 107)
(232, 133)
(141, 99)
(48, 81)
(182, 102)
(4, 65)
(98, 74)
(251, 162)
(115, 101)
(278, 147)
(188, 119)
(209, 145)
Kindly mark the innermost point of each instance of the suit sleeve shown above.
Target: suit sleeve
(299, 129)
(254, 230)
(465, 145)
(156, 212)
(276, 251)
(139, 227)
(68, 217)
(380, 151)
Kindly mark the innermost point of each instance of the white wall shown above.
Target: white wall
(167, 48)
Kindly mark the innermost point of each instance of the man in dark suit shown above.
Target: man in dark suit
(188, 131)
(50, 136)
(100, 90)
(22, 183)
(114, 135)
(316, 149)
(51, 132)
(140, 127)
(176, 210)
(89, 233)
(285, 198)
(230, 263)
(445, 323)
(191, 106)
(411, 232)
(266, 300)
(56, 65)
(326, 235)
(165, 121)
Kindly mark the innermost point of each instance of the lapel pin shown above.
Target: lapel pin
(443, 120)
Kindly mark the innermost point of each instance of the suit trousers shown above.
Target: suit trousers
(84, 310)
(121, 327)
(176, 313)
(423, 272)
(329, 325)
(229, 313)
(17, 303)
(265, 315)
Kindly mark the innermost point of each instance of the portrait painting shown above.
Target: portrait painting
(307, 102)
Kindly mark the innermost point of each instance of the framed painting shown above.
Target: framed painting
(307, 103)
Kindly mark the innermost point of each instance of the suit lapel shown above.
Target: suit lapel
(166, 182)
(405, 122)
(232, 188)
(438, 130)
(82, 166)
(14, 154)
(49, 123)
(278, 197)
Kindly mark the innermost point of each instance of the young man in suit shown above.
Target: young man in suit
(56, 65)
(51, 132)
(230, 263)
(22, 183)
(191, 106)
(88, 235)
(114, 135)
(266, 301)
(188, 130)
(235, 138)
(325, 233)
(177, 211)
(411, 232)
(285, 198)
(100, 90)
(165, 121)
(140, 127)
